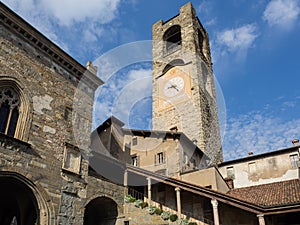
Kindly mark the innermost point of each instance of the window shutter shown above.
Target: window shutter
(155, 159)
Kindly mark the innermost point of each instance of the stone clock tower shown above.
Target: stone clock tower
(184, 97)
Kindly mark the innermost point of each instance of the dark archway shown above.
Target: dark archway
(101, 211)
(18, 205)
(172, 38)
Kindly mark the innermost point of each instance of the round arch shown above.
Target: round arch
(22, 201)
(101, 211)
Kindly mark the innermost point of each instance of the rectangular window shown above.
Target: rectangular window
(134, 141)
(230, 172)
(135, 160)
(294, 161)
(252, 167)
(126, 222)
(160, 158)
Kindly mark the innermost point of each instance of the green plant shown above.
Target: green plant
(192, 223)
(144, 205)
(129, 198)
(152, 209)
(183, 222)
(158, 211)
(165, 215)
(138, 203)
(173, 217)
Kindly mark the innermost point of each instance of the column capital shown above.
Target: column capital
(177, 189)
(261, 219)
(214, 203)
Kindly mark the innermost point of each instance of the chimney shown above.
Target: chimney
(90, 67)
(295, 142)
(250, 154)
(174, 129)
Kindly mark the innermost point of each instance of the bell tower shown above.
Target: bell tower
(184, 97)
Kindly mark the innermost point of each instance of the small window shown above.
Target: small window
(135, 160)
(134, 141)
(160, 158)
(294, 161)
(9, 111)
(230, 172)
(252, 167)
(126, 222)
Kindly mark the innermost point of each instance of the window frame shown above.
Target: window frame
(25, 107)
(294, 159)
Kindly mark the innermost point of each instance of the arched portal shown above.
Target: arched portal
(101, 211)
(18, 205)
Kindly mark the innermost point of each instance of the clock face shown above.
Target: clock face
(173, 86)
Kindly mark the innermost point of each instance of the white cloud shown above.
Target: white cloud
(238, 39)
(69, 12)
(233, 44)
(121, 93)
(259, 132)
(282, 13)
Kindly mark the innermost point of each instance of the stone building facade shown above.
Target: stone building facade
(45, 98)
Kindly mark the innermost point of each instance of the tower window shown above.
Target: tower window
(172, 38)
(9, 111)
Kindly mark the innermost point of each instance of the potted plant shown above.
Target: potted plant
(165, 215)
(129, 198)
(138, 203)
(183, 222)
(173, 217)
(152, 209)
(158, 211)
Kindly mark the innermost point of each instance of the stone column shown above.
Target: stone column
(261, 219)
(214, 203)
(125, 182)
(178, 201)
(149, 190)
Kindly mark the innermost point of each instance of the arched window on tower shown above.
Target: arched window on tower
(172, 38)
(9, 111)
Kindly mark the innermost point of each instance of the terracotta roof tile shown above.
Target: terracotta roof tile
(270, 195)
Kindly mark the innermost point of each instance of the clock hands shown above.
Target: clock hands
(173, 86)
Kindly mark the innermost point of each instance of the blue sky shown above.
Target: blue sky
(255, 49)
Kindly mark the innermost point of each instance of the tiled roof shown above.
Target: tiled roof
(270, 195)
